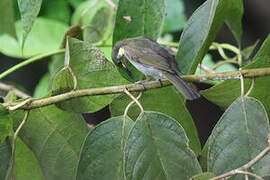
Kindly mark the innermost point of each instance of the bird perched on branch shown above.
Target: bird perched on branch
(152, 60)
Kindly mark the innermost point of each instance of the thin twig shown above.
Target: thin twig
(40, 102)
(244, 167)
(16, 91)
(206, 69)
(111, 4)
(28, 61)
(134, 99)
(17, 106)
(242, 85)
(12, 160)
(251, 87)
(231, 61)
(246, 173)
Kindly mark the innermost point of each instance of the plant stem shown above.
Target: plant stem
(28, 61)
(37, 103)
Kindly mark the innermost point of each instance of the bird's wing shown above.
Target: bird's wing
(149, 58)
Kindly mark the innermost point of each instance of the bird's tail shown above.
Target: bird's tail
(182, 86)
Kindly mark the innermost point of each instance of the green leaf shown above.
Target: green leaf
(99, 25)
(56, 9)
(26, 164)
(203, 176)
(5, 155)
(45, 36)
(5, 127)
(166, 100)
(7, 18)
(102, 153)
(42, 87)
(234, 20)
(55, 137)
(200, 31)
(226, 92)
(157, 148)
(29, 10)
(94, 6)
(92, 70)
(239, 136)
(139, 18)
(175, 19)
(63, 82)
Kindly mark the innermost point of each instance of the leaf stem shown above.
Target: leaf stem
(28, 61)
(40, 102)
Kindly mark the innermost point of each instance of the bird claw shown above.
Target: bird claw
(140, 83)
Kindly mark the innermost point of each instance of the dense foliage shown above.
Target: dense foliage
(154, 137)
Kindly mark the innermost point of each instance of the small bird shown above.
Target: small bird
(152, 60)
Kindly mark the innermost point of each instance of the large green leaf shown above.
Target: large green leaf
(26, 164)
(201, 30)
(226, 92)
(91, 70)
(55, 137)
(234, 19)
(166, 100)
(158, 148)
(5, 155)
(45, 36)
(239, 136)
(139, 18)
(29, 10)
(7, 18)
(102, 153)
(175, 19)
(5, 127)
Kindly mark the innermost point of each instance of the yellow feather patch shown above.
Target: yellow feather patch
(121, 52)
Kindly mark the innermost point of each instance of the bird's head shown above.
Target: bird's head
(118, 57)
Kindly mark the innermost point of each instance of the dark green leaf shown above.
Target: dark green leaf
(56, 9)
(158, 148)
(239, 136)
(166, 100)
(29, 10)
(175, 19)
(91, 70)
(26, 164)
(234, 19)
(139, 18)
(203, 176)
(99, 25)
(7, 23)
(42, 87)
(5, 155)
(102, 153)
(5, 127)
(55, 137)
(200, 31)
(226, 92)
(45, 36)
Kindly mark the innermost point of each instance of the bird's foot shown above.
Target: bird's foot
(140, 83)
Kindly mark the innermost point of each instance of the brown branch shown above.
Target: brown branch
(17, 92)
(36, 103)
